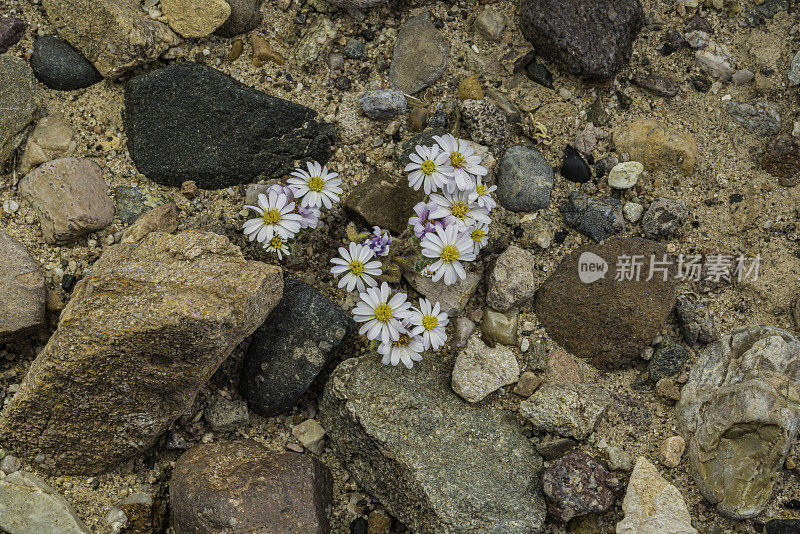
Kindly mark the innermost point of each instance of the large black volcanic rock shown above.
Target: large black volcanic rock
(191, 122)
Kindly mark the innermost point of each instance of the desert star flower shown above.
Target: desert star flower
(479, 235)
(422, 222)
(430, 169)
(275, 218)
(404, 349)
(356, 266)
(316, 187)
(277, 245)
(482, 195)
(463, 160)
(379, 241)
(449, 247)
(428, 321)
(382, 316)
(456, 208)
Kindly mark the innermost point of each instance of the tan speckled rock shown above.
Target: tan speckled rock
(31, 506)
(19, 101)
(141, 335)
(245, 484)
(195, 18)
(69, 198)
(164, 218)
(115, 35)
(650, 143)
(22, 290)
(52, 138)
(481, 370)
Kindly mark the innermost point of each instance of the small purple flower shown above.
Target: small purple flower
(310, 216)
(379, 241)
(422, 223)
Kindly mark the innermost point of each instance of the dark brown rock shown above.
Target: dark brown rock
(576, 485)
(581, 36)
(657, 84)
(244, 484)
(11, 31)
(782, 159)
(22, 290)
(607, 321)
(384, 200)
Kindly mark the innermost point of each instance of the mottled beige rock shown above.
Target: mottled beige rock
(511, 281)
(653, 505)
(311, 435)
(655, 146)
(164, 218)
(69, 198)
(30, 506)
(671, 451)
(195, 18)
(19, 102)
(480, 370)
(141, 335)
(115, 35)
(22, 290)
(52, 138)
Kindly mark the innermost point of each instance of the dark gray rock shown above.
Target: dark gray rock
(590, 38)
(577, 485)
(225, 415)
(245, 16)
(663, 217)
(598, 219)
(694, 320)
(11, 31)
(782, 526)
(524, 179)
(191, 122)
(760, 118)
(657, 84)
(420, 55)
(436, 463)
(404, 148)
(383, 104)
(668, 360)
(354, 49)
(19, 101)
(291, 348)
(243, 483)
(58, 65)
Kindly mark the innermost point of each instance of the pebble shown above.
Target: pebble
(384, 200)
(311, 435)
(527, 384)
(671, 451)
(225, 415)
(499, 327)
(655, 146)
(470, 89)
(742, 77)
(618, 459)
(189, 189)
(717, 60)
(10, 206)
(490, 24)
(586, 141)
(576, 485)
(664, 217)
(625, 175)
(781, 158)
(633, 211)
(58, 65)
(358, 526)
(31, 506)
(573, 167)
(657, 84)
(484, 123)
(315, 40)
(354, 49)
(569, 410)
(794, 70)
(11, 31)
(695, 321)
(480, 370)
(511, 282)
(195, 18)
(762, 118)
(524, 179)
(383, 104)
(536, 232)
(164, 218)
(420, 55)
(19, 101)
(52, 138)
(418, 119)
(596, 218)
(245, 16)
(263, 51)
(10, 464)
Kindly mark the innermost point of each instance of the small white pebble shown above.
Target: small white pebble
(525, 345)
(10, 206)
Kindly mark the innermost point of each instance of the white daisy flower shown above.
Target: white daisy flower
(359, 270)
(276, 218)
(430, 169)
(449, 248)
(456, 208)
(479, 234)
(277, 245)
(316, 187)
(463, 160)
(428, 322)
(380, 314)
(482, 194)
(404, 349)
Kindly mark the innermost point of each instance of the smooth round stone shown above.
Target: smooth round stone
(625, 175)
(61, 67)
(633, 211)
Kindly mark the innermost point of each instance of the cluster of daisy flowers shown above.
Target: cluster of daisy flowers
(283, 211)
(403, 332)
(452, 223)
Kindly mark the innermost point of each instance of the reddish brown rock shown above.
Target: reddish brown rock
(22, 290)
(782, 159)
(576, 485)
(244, 484)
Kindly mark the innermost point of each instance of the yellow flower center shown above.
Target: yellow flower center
(276, 242)
(457, 159)
(478, 235)
(316, 184)
(383, 312)
(429, 322)
(450, 253)
(271, 216)
(481, 189)
(356, 267)
(459, 209)
(428, 167)
(402, 341)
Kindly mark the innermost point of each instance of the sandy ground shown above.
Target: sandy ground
(726, 165)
